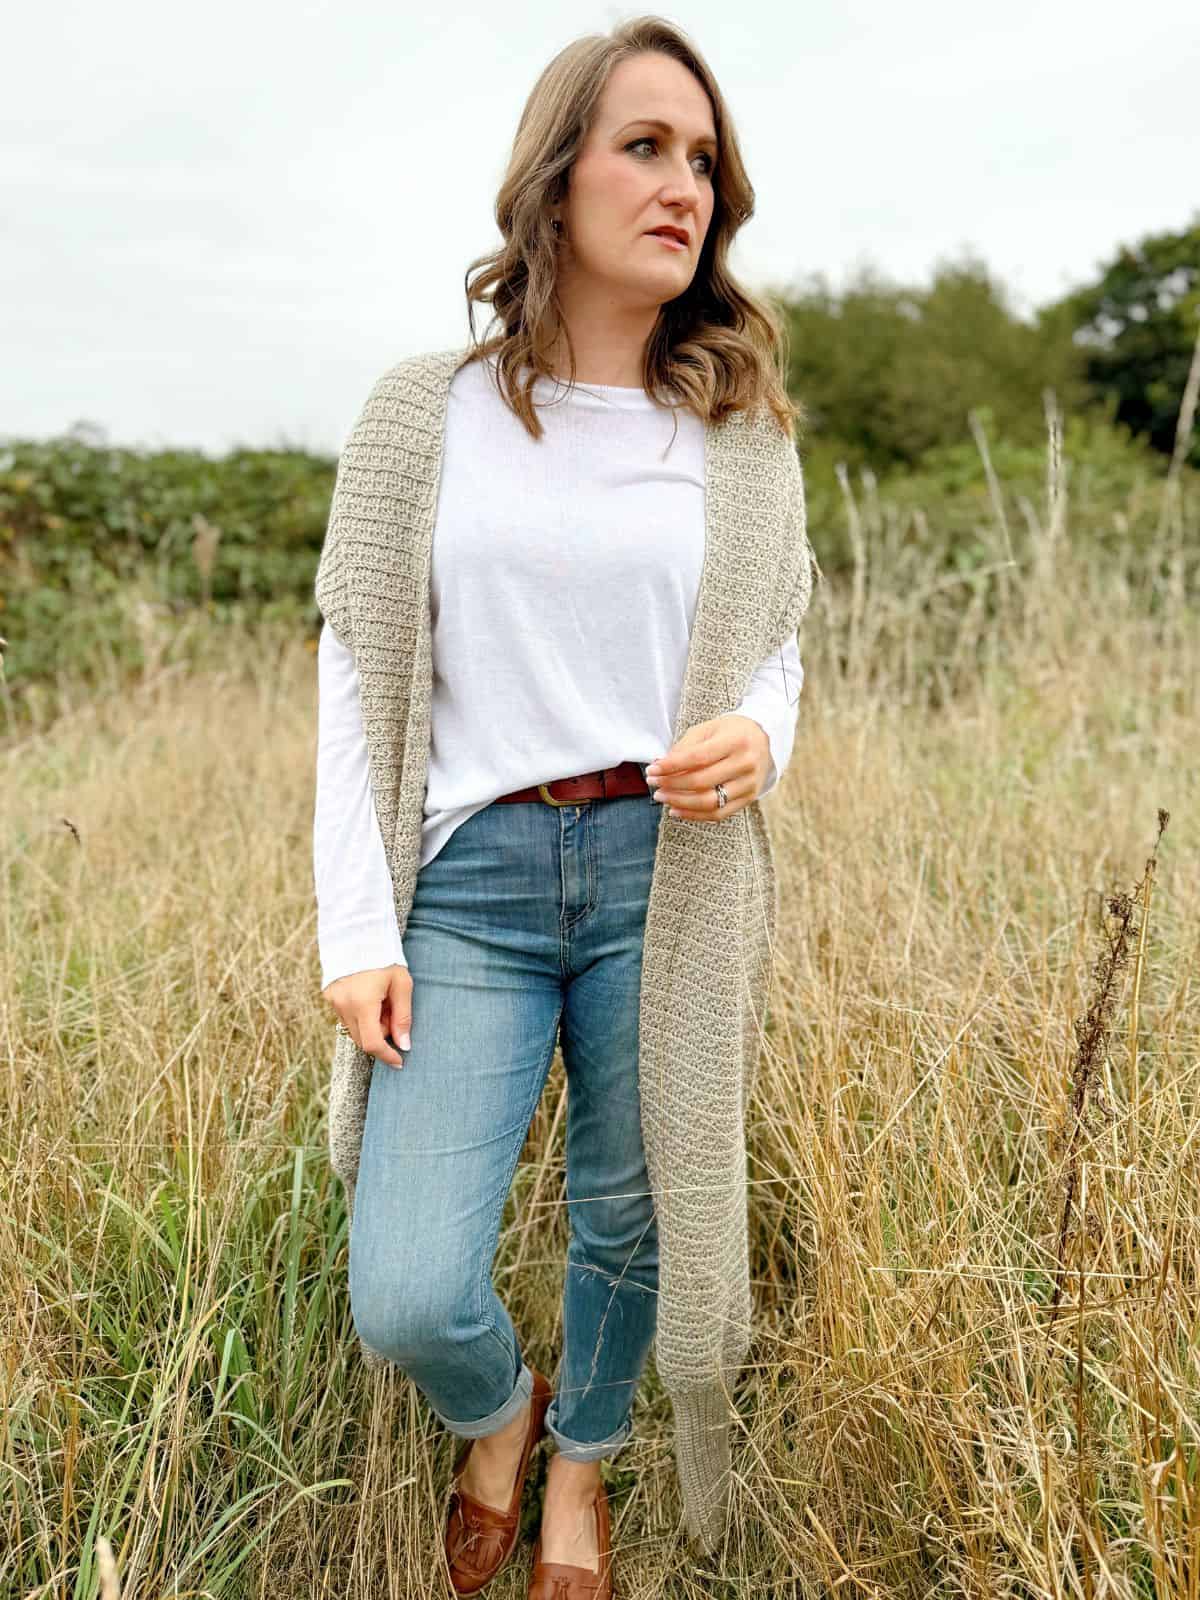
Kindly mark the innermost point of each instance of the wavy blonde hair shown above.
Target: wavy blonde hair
(717, 347)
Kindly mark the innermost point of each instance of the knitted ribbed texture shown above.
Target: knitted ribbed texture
(713, 905)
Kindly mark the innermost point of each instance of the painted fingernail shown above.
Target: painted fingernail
(673, 813)
(405, 1042)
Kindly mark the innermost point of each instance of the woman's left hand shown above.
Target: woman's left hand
(732, 750)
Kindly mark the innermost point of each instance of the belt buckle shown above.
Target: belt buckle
(544, 791)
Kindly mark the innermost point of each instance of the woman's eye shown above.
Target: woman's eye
(704, 156)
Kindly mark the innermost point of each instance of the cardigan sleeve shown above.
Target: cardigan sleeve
(356, 912)
(774, 689)
(799, 568)
(329, 584)
(355, 490)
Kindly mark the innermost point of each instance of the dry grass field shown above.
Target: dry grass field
(975, 1143)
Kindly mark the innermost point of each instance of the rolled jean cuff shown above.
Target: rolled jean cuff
(585, 1452)
(496, 1419)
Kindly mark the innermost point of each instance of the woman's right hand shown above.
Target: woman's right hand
(373, 1003)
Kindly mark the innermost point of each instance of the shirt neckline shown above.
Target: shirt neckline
(555, 391)
(591, 396)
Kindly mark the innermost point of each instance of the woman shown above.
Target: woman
(551, 559)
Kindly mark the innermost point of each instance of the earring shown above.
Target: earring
(557, 226)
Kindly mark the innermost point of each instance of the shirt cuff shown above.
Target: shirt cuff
(359, 947)
(779, 745)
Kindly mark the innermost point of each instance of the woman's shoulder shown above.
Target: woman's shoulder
(401, 392)
(422, 369)
(765, 445)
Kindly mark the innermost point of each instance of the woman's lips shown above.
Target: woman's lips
(668, 239)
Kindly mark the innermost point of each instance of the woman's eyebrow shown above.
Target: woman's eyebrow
(656, 122)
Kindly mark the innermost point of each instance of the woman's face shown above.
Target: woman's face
(632, 176)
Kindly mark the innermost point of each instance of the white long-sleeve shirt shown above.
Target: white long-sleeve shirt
(564, 578)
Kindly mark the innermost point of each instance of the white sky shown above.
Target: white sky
(220, 224)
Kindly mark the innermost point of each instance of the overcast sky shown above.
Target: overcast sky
(221, 223)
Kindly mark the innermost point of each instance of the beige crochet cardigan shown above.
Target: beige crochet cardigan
(711, 917)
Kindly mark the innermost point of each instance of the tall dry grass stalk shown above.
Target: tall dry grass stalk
(947, 1393)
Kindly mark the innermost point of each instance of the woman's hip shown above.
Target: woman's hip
(519, 877)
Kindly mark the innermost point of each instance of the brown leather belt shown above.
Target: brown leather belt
(610, 783)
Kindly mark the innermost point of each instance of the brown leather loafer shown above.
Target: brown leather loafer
(479, 1539)
(556, 1580)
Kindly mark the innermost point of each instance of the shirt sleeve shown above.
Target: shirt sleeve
(356, 912)
(772, 699)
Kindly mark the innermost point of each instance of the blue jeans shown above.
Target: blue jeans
(530, 916)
